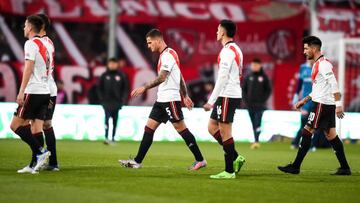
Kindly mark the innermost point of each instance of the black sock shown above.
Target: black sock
(191, 143)
(339, 152)
(257, 134)
(40, 138)
(51, 145)
(106, 131)
(303, 148)
(23, 132)
(218, 138)
(229, 149)
(113, 133)
(145, 144)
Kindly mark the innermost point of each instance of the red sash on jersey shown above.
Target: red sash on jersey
(176, 58)
(42, 51)
(315, 70)
(237, 56)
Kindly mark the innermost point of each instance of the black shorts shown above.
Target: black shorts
(321, 116)
(51, 108)
(165, 111)
(35, 107)
(224, 109)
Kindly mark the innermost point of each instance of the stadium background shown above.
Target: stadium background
(270, 30)
(89, 171)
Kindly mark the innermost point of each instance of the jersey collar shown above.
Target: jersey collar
(319, 58)
(164, 49)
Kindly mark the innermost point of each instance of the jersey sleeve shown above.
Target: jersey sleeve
(30, 50)
(325, 69)
(226, 59)
(167, 62)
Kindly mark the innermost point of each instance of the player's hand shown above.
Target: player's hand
(299, 104)
(340, 112)
(188, 102)
(295, 99)
(20, 98)
(207, 107)
(138, 91)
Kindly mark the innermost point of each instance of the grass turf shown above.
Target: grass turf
(90, 173)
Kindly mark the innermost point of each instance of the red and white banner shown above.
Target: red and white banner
(148, 11)
(275, 43)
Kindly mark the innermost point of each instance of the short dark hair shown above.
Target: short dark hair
(36, 22)
(112, 59)
(312, 40)
(256, 60)
(46, 21)
(154, 33)
(229, 26)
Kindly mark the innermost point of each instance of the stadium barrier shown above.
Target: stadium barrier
(86, 122)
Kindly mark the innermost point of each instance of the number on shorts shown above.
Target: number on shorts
(311, 116)
(218, 111)
(168, 112)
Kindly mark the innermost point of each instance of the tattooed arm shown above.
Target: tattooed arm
(158, 80)
(183, 92)
(183, 89)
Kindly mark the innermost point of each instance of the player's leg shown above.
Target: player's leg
(176, 117)
(296, 141)
(50, 135)
(144, 147)
(338, 147)
(106, 124)
(21, 127)
(42, 157)
(115, 116)
(21, 120)
(51, 145)
(257, 127)
(316, 119)
(190, 141)
(225, 115)
(213, 128)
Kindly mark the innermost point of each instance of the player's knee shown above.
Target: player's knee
(179, 126)
(307, 130)
(15, 125)
(47, 125)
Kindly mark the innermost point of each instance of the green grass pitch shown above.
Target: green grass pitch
(90, 173)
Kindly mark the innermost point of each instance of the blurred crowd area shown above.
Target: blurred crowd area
(91, 39)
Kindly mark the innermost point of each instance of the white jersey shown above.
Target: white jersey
(227, 84)
(321, 89)
(169, 90)
(36, 50)
(51, 50)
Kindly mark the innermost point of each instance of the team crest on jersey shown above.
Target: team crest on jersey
(281, 44)
(117, 78)
(183, 41)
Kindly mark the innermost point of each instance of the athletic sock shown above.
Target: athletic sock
(339, 152)
(145, 144)
(257, 134)
(106, 131)
(191, 143)
(51, 145)
(218, 138)
(23, 132)
(303, 148)
(37, 147)
(229, 149)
